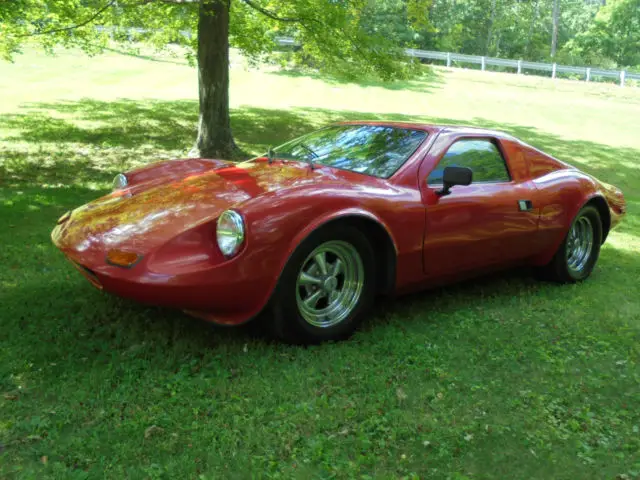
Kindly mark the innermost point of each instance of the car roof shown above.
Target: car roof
(434, 128)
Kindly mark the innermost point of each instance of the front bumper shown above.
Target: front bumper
(228, 293)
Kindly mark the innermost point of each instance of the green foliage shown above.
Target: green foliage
(73, 23)
(503, 28)
(400, 21)
(340, 37)
(615, 35)
(588, 33)
(335, 36)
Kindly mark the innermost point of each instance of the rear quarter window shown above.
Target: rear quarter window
(540, 165)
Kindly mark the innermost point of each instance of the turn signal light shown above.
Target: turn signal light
(122, 259)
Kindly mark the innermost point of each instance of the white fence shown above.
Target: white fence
(520, 65)
(589, 73)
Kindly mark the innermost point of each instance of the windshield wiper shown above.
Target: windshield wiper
(311, 152)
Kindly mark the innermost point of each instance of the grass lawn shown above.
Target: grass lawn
(498, 378)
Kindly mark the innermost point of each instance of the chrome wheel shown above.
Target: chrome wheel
(579, 244)
(329, 284)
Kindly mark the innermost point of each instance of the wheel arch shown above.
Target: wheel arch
(602, 206)
(581, 201)
(374, 229)
(383, 247)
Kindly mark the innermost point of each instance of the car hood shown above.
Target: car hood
(177, 198)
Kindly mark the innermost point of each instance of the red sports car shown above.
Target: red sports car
(315, 229)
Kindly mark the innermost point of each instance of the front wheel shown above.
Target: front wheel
(577, 255)
(326, 287)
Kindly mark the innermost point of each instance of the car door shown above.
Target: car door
(488, 223)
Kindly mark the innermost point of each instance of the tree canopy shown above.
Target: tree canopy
(333, 33)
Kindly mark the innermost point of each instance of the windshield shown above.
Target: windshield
(370, 149)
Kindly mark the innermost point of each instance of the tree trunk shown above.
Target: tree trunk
(490, 32)
(554, 34)
(534, 17)
(215, 139)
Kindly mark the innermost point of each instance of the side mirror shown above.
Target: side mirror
(453, 176)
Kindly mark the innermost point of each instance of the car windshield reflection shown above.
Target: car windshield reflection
(373, 150)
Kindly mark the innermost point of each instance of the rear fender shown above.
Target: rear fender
(565, 219)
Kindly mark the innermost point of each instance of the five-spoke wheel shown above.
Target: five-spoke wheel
(579, 244)
(326, 287)
(578, 253)
(329, 283)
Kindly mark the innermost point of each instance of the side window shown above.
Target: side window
(480, 155)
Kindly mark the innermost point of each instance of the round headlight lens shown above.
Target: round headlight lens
(230, 232)
(120, 181)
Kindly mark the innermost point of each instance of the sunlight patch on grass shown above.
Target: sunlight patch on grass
(626, 241)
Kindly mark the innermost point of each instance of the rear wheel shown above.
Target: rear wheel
(326, 287)
(577, 255)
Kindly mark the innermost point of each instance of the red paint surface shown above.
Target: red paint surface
(168, 216)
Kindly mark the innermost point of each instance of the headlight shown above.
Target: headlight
(120, 181)
(230, 232)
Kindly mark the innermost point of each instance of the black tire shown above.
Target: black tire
(561, 268)
(288, 322)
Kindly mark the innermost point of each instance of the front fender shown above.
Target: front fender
(258, 297)
(273, 238)
(335, 216)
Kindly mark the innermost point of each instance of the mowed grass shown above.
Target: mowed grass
(501, 377)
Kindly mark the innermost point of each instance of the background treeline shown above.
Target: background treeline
(600, 33)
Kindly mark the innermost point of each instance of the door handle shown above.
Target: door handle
(525, 205)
